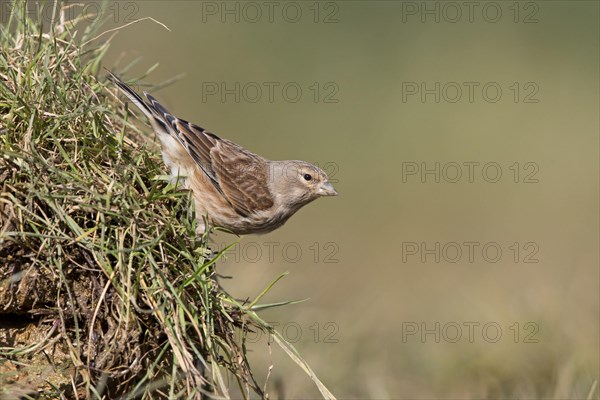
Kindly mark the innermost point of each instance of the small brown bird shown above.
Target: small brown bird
(233, 187)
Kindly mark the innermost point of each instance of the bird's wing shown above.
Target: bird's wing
(243, 176)
(239, 175)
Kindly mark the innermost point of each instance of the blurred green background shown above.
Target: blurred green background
(368, 257)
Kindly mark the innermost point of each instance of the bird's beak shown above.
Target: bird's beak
(327, 189)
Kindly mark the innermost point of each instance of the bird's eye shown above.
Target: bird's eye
(307, 177)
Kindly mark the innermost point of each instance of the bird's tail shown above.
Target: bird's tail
(132, 95)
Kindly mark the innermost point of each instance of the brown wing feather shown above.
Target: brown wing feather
(197, 144)
(243, 176)
(239, 175)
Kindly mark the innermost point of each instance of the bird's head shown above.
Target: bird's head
(299, 182)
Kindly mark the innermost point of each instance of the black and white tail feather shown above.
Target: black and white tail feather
(168, 126)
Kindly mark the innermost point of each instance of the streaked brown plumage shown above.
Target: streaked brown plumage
(233, 187)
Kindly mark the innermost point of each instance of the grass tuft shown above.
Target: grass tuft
(105, 289)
